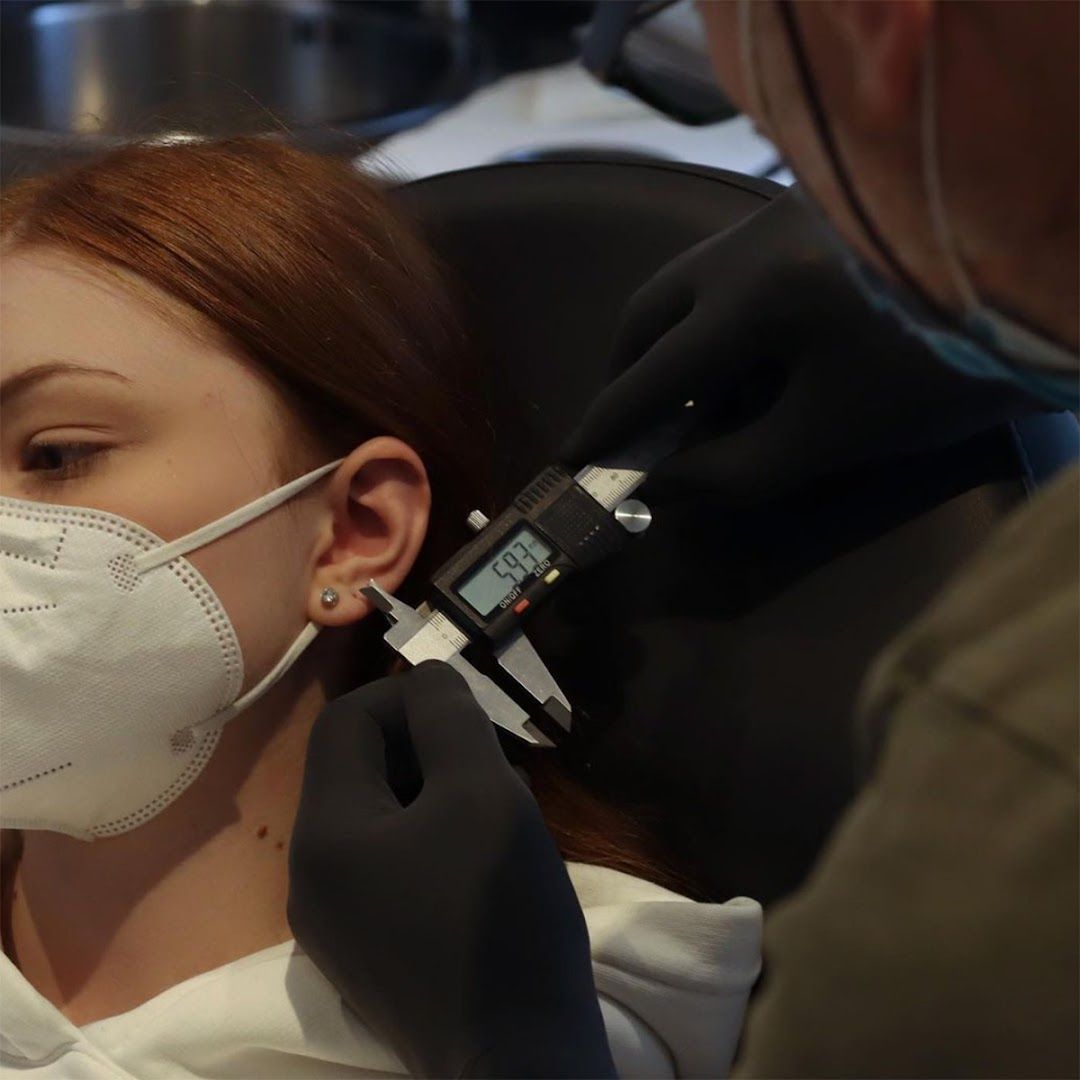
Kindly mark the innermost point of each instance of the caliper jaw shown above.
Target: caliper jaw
(419, 635)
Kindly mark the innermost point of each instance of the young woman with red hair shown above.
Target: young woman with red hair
(186, 331)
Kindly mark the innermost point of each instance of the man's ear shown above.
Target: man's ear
(379, 503)
(885, 41)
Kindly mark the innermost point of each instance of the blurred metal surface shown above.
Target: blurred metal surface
(78, 77)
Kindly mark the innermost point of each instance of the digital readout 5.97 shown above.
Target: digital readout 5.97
(496, 581)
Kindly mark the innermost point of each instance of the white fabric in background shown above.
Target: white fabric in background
(673, 976)
(559, 107)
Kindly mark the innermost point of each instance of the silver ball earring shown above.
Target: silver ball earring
(329, 598)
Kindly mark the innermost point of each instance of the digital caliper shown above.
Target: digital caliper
(558, 525)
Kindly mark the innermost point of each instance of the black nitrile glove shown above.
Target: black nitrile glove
(800, 376)
(449, 925)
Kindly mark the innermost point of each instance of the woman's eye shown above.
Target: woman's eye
(61, 460)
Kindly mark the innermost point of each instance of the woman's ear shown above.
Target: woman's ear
(379, 503)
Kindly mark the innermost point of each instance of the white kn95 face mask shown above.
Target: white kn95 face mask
(118, 664)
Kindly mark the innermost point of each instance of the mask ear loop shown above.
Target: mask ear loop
(751, 73)
(931, 167)
(159, 556)
(288, 658)
(832, 152)
(149, 560)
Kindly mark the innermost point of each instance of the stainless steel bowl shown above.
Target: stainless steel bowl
(78, 77)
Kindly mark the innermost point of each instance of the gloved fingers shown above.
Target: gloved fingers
(448, 729)
(803, 440)
(661, 303)
(706, 318)
(385, 703)
(727, 468)
(688, 362)
(798, 438)
(345, 769)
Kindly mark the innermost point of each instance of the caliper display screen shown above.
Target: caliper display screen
(495, 581)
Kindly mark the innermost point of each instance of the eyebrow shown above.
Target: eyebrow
(15, 386)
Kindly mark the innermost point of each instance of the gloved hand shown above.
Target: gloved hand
(801, 377)
(449, 925)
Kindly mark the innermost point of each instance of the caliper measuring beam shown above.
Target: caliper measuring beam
(557, 526)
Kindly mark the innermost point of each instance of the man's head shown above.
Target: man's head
(1005, 110)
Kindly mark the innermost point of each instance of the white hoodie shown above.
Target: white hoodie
(673, 977)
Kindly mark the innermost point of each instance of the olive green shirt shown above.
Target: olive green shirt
(937, 935)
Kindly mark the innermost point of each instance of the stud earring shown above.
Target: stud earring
(329, 598)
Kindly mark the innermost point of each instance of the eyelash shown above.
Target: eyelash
(68, 470)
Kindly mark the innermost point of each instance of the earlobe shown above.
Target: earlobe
(379, 505)
(885, 41)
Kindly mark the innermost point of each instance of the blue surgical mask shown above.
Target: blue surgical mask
(974, 350)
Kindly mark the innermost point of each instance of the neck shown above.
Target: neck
(98, 928)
